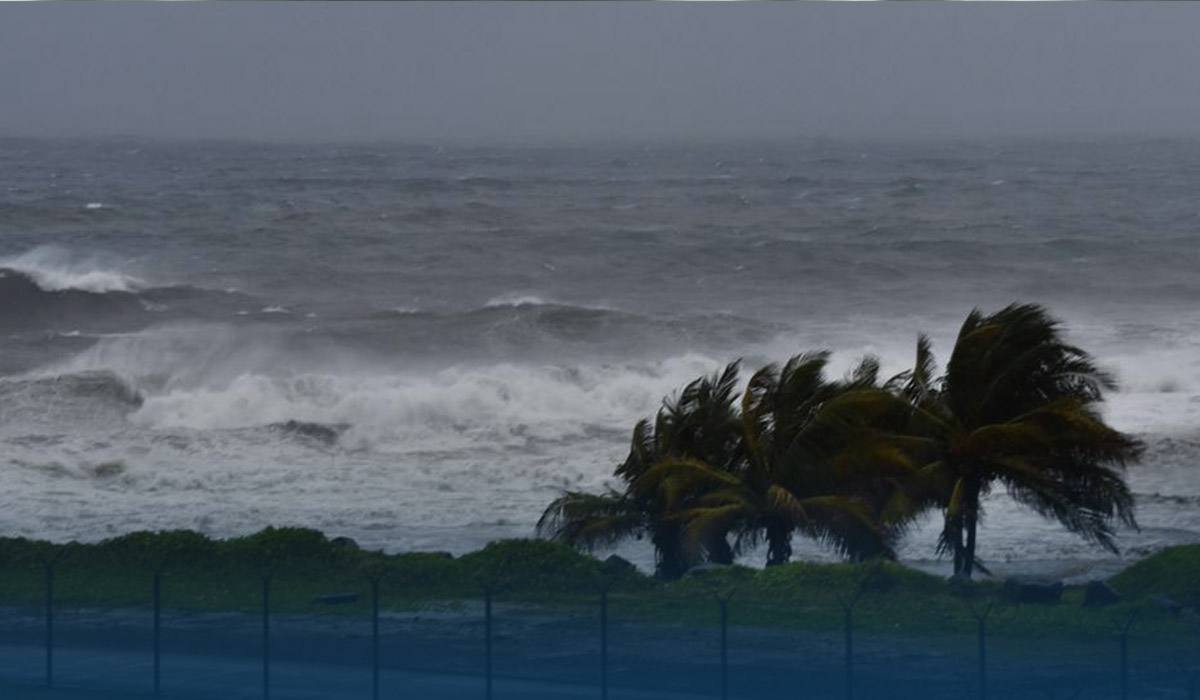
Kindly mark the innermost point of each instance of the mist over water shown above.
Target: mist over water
(419, 347)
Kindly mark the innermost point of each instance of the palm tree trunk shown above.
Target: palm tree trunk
(971, 521)
(960, 530)
(670, 562)
(720, 552)
(779, 544)
(969, 551)
(954, 530)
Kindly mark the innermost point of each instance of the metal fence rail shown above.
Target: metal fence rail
(600, 647)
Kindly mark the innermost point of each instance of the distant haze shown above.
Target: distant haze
(562, 72)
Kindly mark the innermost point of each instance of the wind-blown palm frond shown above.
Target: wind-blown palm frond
(588, 521)
(1016, 406)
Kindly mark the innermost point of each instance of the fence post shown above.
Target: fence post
(605, 585)
(981, 624)
(724, 603)
(487, 640)
(1123, 637)
(1124, 666)
(723, 596)
(848, 605)
(982, 659)
(266, 634)
(374, 637)
(374, 571)
(157, 631)
(49, 567)
(604, 644)
(848, 621)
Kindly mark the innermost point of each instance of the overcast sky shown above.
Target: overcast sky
(574, 71)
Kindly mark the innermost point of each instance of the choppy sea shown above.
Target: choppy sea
(420, 346)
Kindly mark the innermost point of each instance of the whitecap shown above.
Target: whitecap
(56, 269)
(516, 300)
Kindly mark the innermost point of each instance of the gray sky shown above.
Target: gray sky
(518, 72)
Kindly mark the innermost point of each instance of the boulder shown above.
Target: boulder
(959, 584)
(706, 568)
(618, 566)
(1168, 604)
(313, 431)
(1098, 594)
(1033, 589)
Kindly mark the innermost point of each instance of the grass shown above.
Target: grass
(225, 575)
(1173, 572)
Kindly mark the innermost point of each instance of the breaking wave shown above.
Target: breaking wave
(222, 378)
(519, 300)
(28, 304)
(498, 406)
(530, 324)
(106, 386)
(44, 290)
(54, 269)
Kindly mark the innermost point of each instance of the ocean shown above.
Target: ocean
(420, 346)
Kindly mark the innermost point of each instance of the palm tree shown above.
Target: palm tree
(801, 470)
(784, 464)
(1017, 406)
(700, 424)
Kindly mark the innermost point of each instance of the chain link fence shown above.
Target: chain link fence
(363, 639)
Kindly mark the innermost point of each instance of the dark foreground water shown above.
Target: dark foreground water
(481, 327)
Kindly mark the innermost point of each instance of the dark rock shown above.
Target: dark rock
(314, 431)
(1033, 589)
(337, 598)
(1169, 604)
(618, 566)
(703, 569)
(1098, 594)
(105, 470)
(959, 584)
(344, 543)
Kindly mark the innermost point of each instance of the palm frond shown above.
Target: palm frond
(587, 521)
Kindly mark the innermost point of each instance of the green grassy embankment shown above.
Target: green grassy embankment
(225, 575)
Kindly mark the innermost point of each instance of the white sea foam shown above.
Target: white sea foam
(425, 452)
(219, 378)
(56, 269)
(491, 406)
(516, 300)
